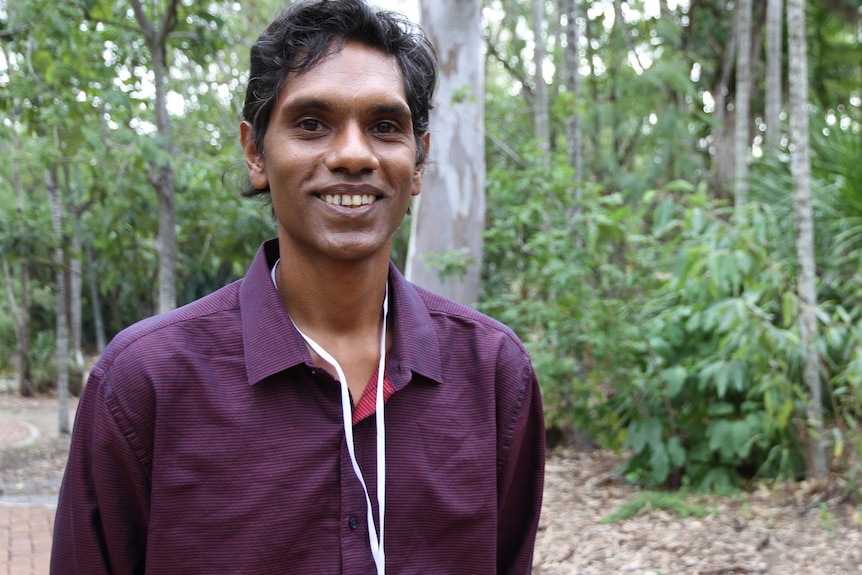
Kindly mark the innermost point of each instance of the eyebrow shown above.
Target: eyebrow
(380, 109)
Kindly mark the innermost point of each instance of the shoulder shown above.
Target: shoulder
(200, 325)
(449, 341)
(157, 361)
(480, 356)
(458, 320)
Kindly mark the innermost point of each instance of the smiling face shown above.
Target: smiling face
(339, 157)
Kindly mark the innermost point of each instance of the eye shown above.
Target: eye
(309, 125)
(386, 127)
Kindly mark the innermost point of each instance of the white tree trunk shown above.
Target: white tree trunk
(540, 102)
(95, 301)
(20, 310)
(162, 176)
(774, 59)
(742, 103)
(449, 214)
(20, 318)
(723, 133)
(800, 164)
(55, 198)
(76, 279)
(574, 140)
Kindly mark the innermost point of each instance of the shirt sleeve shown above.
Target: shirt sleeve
(101, 523)
(521, 479)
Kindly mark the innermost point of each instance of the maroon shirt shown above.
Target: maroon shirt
(207, 442)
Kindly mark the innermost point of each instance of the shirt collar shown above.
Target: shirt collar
(272, 343)
(415, 343)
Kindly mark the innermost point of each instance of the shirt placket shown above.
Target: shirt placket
(355, 546)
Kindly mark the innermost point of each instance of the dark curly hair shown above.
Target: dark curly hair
(310, 30)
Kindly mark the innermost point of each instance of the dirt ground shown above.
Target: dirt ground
(800, 529)
(32, 461)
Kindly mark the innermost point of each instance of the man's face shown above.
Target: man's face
(339, 156)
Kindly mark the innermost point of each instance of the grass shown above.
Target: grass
(677, 502)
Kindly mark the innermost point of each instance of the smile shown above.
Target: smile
(347, 200)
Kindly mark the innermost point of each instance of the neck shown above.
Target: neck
(333, 299)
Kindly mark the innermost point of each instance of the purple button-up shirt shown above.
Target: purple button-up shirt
(207, 442)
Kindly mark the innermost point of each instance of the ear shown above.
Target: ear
(420, 169)
(254, 161)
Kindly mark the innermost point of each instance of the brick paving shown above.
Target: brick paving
(26, 530)
(26, 527)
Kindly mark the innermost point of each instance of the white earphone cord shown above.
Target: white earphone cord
(374, 541)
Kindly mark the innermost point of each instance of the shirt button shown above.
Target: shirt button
(353, 523)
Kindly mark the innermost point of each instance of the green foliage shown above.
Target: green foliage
(717, 396)
(76, 89)
(836, 148)
(450, 264)
(667, 330)
(43, 359)
(678, 502)
(7, 336)
(554, 270)
(21, 235)
(659, 322)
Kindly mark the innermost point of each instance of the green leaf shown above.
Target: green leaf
(644, 433)
(676, 452)
(659, 463)
(785, 413)
(674, 380)
(788, 308)
(720, 409)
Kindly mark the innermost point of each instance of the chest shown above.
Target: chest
(273, 466)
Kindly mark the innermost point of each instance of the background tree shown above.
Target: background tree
(572, 65)
(445, 252)
(19, 302)
(540, 101)
(662, 320)
(800, 163)
(156, 28)
(56, 199)
(742, 141)
(774, 73)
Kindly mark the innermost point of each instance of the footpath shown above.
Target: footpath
(32, 455)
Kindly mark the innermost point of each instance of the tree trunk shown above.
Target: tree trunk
(595, 118)
(163, 182)
(74, 277)
(55, 198)
(774, 58)
(542, 130)
(723, 134)
(95, 301)
(76, 309)
(162, 175)
(22, 329)
(742, 103)
(574, 143)
(452, 221)
(20, 310)
(800, 163)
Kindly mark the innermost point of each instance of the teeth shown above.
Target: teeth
(354, 200)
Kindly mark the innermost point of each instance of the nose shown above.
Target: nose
(352, 151)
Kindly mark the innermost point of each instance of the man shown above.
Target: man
(321, 415)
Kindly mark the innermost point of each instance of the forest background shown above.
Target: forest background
(665, 203)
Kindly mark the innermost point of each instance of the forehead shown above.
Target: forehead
(355, 68)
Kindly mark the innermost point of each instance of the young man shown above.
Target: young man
(321, 415)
